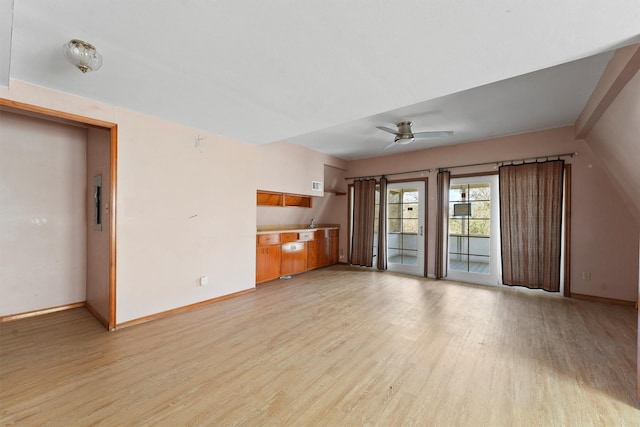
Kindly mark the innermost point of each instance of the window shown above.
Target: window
(470, 226)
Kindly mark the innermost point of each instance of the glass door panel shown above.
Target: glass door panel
(473, 227)
(405, 227)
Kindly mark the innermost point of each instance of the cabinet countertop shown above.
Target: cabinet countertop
(269, 229)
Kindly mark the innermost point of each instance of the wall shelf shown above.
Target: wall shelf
(336, 192)
(271, 198)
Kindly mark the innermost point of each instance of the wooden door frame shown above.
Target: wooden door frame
(74, 119)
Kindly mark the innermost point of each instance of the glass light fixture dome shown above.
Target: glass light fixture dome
(83, 55)
(404, 139)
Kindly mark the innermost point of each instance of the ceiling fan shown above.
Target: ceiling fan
(404, 135)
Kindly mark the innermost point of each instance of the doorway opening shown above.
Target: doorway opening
(107, 216)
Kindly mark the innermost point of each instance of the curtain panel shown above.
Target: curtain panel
(382, 226)
(531, 224)
(442, 223)
(364, 194)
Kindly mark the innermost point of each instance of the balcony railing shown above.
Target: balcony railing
(469, 253)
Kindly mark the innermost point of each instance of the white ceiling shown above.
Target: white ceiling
(325, 73)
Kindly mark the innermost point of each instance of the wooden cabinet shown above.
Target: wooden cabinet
(267, 263)
(288, 237)
(287, 253)
(324, 249)
(268, 255)
(313, 253)
(268, 239)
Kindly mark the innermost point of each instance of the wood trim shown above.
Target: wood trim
(55, 113)
(567, 230)
(426, 227)
(181, 309)
(97, 315)
(40, 312)
(349, 242)
(111, 323)
(603, 299)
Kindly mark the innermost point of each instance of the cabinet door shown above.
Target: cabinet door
(334, 247)
(323, 252)
(294, 258)
(313, 254)
(267, 263)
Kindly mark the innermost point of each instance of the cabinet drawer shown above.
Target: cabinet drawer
(268, 239)
(305, 236)
(293, 247)
(288, 237)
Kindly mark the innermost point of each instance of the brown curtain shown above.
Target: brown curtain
(531, 224)
(364, 199)
(382, 226)
(442, 223)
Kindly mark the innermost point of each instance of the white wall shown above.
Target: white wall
(185, 207)
(42, 214)
(290, 168)
(614, 138)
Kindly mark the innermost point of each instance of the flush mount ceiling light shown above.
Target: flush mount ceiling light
(83, 55)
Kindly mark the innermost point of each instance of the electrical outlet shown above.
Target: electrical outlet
(586, 275)
(204, 280)
(341, 254)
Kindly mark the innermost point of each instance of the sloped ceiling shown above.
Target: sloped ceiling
(266, 71)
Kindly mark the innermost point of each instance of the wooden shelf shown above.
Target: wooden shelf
(270, 198)
(266, 198)
(295, 200)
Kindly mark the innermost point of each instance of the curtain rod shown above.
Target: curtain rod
(522, 159)
(496, 162)
(387, 174)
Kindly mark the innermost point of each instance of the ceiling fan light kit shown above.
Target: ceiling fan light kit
(402, 140)
(404, 134)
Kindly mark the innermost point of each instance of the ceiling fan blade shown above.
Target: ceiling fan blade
(386, 129)
(432, 134)
(390, 145)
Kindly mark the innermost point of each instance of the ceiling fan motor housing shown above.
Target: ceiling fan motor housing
(404, 135)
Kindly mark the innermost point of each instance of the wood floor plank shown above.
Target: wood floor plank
(335, 346)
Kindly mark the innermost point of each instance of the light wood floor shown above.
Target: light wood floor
(332, 347)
